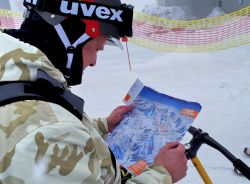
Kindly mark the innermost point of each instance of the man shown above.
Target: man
(45, 135)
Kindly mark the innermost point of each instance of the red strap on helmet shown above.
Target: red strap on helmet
(92, 26)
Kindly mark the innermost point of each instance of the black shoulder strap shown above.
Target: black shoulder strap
(45, 88)
(125, 174)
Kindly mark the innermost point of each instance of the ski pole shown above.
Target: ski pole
(200, 137)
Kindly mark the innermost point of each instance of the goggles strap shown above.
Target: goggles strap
(69, 47)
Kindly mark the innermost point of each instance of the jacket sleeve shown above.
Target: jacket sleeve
(153, 175)
(101, 125)
(58, 153)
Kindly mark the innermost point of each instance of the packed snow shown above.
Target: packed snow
(16, 5)
(173, 12)
(217, 11)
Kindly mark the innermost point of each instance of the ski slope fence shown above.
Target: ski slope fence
(10, 19)
(203, 35)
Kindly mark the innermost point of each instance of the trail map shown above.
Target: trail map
(156, 120)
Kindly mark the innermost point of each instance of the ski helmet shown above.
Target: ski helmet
(78, 21)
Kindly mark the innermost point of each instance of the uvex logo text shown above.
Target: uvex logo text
(34, 2)
(101, 12)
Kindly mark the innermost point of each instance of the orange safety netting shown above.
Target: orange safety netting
(10, 19)
(163, 34)
(202, 35)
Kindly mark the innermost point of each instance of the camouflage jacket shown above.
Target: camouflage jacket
(41, 142)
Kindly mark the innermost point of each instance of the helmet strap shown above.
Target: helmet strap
(71, 48)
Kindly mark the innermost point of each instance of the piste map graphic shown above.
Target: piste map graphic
(156, 120)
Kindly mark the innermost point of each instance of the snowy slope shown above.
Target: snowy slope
(219, 81)
(16, 5)
(217, 11)
(173, 12)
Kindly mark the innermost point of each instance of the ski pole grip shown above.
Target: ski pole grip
(242, 167)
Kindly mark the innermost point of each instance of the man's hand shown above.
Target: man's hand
(117, 115)
(172, 157)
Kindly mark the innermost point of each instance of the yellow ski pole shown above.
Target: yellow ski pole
(202, 172)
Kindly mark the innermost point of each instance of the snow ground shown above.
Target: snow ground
(219, 81)
(174, 12)
(217, 11)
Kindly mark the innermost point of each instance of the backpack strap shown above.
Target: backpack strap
(45, 88)
(125, 174)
